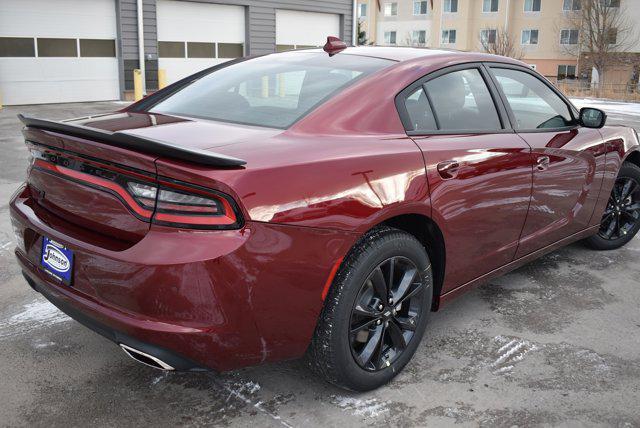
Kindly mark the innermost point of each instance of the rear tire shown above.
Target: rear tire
(362, 342)
(621, 219)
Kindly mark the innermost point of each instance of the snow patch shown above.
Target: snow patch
(34, 315)
(369, 408)
(511, 352)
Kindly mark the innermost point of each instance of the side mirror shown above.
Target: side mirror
(592, 117)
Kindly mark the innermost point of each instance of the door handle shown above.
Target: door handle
(448, 169)
(542, 163)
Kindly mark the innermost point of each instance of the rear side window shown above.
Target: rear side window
(419, 112)
(272, 91)
(533, 103)
(461, 101)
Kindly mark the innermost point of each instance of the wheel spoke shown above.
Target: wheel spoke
(372, 345)
(417, 288)
(365, 311)
(405, 283)
(395, 333)
(379, 284)
(633, 207)
(377, 357)
(610, 228)
(362, 325)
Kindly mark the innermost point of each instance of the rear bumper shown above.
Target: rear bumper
(178, 362)
(214, 299)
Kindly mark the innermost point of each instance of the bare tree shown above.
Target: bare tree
(413, 40)
(605, 33)
(500, 42)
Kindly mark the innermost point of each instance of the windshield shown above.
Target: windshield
(272, 91)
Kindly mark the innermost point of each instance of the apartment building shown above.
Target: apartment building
(540, 30)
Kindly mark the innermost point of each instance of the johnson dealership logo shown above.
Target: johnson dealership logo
(56, 258)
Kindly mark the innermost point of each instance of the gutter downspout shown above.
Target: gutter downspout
(141, 47)
(354, 24)
(506, 18)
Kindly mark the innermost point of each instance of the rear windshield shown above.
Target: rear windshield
(272, 91)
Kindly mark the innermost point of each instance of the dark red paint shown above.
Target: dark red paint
(232, 298)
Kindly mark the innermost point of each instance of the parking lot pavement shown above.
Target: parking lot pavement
(555, 342)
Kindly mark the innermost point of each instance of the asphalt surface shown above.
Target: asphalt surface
(553, 343)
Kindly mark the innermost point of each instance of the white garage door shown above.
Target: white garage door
(295, 29)
(58, 51)
(193, 36)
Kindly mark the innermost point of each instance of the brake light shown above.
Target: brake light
(169, 203)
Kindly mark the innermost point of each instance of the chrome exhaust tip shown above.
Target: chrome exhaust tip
(146, 359)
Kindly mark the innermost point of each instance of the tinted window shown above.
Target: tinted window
(533, 103)
(272, 91)
(461, 101)
(419, 112)
(171, 50)
(57, 47)
(16, 47)
(200, 50)
(97, 48)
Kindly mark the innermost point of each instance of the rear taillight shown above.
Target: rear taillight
(166, 202)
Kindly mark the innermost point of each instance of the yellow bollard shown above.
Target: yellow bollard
(137, 84)
(162, 78)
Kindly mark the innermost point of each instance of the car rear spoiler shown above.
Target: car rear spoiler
(134, 142)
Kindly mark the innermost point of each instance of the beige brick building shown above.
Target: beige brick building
(540, 29)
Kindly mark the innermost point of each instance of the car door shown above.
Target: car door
(479, 171)
(569, 160)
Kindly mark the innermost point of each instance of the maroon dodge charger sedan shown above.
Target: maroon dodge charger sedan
(314, 202)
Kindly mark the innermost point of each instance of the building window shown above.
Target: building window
(488, 37)
(448, 37)
(529, 37)
(612, 36)
(566, 72)
(17, 47)
(489, 5)
(612, 3)
(201, 50)
(569, 37)
(532, 5)
(97, 48)
(362, 10)
(568, 5)
(419, 37)
(234, 50)
(58, 47)
(451, 6)
(171, 50)
(419, 7)
(391, 9)
(390, 37)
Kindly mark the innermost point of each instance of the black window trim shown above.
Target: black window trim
(572, 110)
(506, 127)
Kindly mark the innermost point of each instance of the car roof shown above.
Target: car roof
(401, 54)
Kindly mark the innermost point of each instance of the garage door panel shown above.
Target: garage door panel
(305, 28)
(33, 80)
(192, 22)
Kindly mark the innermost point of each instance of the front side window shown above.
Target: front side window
(448, 37)
(390, 9)
(529, 37)
(569, 37)
(569, 5)
(566, 72)
(489, 5)
(533, 103)
(461, 101)
(488, 36)
(269, 91)
(451, 6)
(419, 7)
(390, 37)
(532, 5)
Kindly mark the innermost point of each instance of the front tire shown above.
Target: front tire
(621, 219)
(375, 313)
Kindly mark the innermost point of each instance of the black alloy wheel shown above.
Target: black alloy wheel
(386, 313)
(622, 214)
